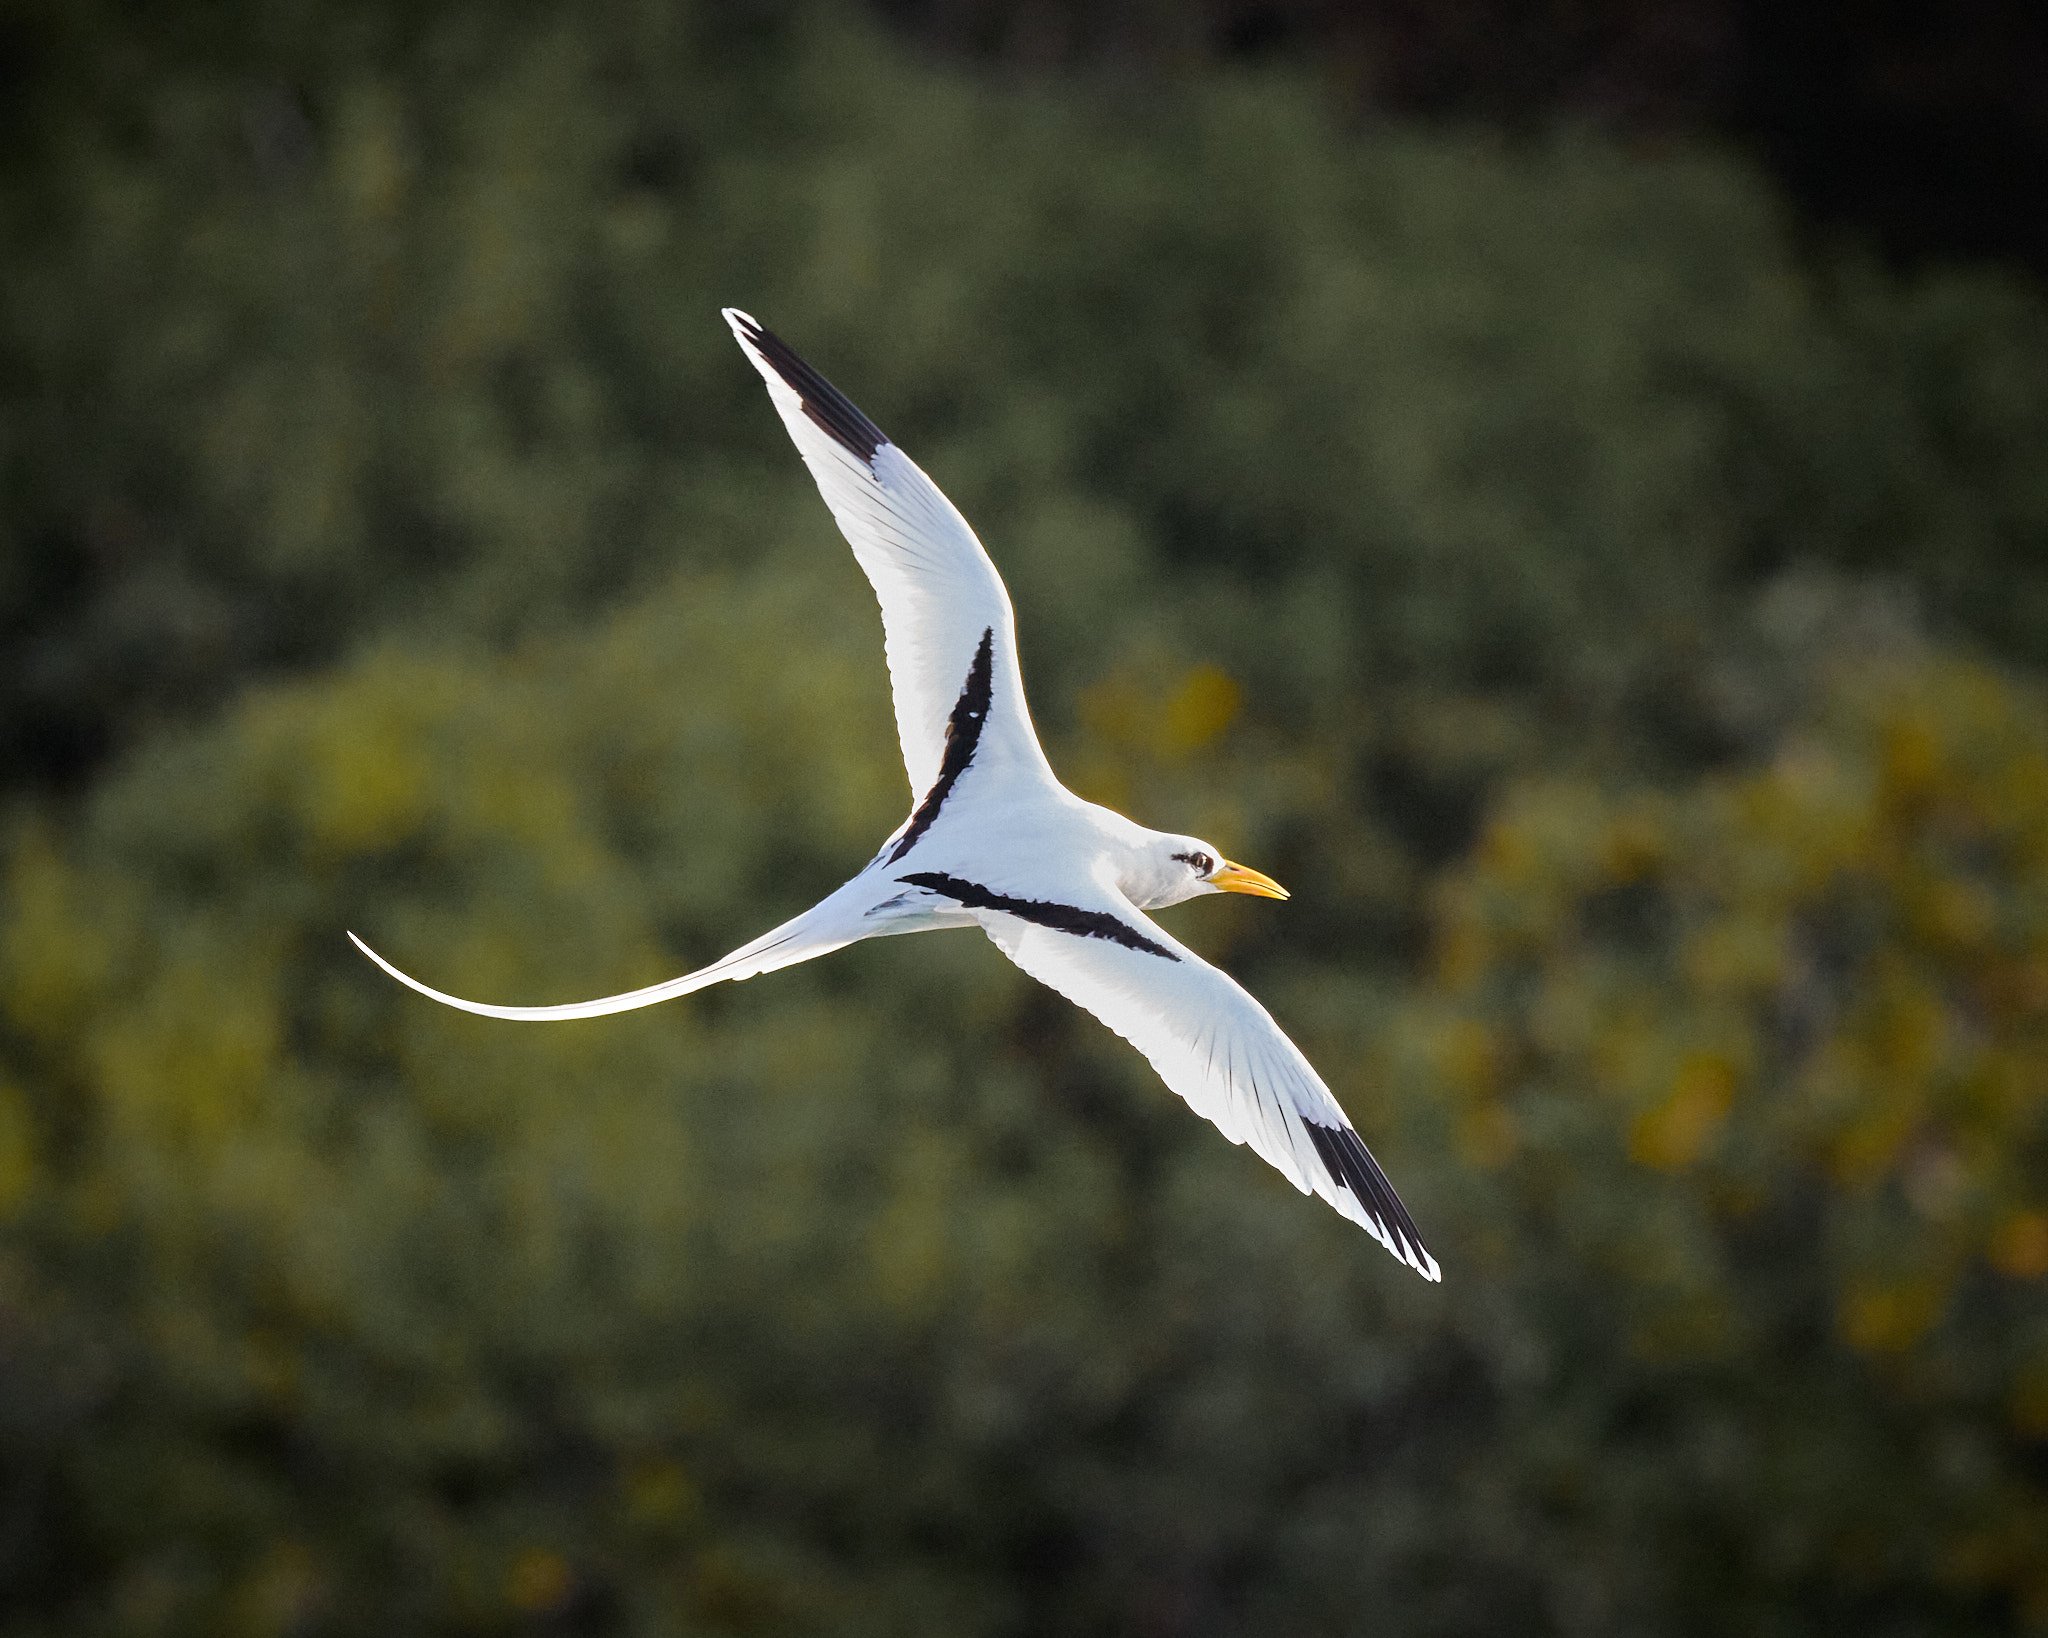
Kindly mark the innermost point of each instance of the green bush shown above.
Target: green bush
(409, 320)
(394, 540)
(1748, 1073)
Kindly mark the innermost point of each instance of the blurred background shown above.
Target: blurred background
(1562, 486)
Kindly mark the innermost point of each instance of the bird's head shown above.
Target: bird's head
(1186, 867)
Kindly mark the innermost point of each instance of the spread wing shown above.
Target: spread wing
(1212, 1043)
(940, 594)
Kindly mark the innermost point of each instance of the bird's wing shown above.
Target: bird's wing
(941, 597)
(1212, 1043)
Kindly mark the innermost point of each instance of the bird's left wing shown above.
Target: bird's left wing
(947, 625)
(1213, 1044)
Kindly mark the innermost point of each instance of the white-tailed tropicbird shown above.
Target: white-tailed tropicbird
(995, 841)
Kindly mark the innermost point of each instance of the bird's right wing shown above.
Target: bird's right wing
(1212, 1043)
(941, 597)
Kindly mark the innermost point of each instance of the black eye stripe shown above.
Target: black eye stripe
(1199, 861)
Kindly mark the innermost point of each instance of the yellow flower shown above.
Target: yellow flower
(540, 1580)
(2020, 1246)
(1676, 1132)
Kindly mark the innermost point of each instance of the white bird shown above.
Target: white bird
(1060, 885)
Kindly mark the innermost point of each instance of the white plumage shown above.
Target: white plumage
(994, 840)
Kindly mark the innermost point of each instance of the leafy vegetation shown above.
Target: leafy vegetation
(1621, 630)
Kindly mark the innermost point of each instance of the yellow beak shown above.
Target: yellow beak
(1237, 878)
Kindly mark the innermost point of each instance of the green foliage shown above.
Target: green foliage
(1757, 1062)
(783, 1311)
(394, 540)
(431, 1312)
(315, 330)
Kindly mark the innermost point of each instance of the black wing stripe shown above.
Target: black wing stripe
(1351, 1166)
(1065, 918)
(824, 403)
(963, 734)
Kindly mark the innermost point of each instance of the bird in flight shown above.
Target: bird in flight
(995, 841)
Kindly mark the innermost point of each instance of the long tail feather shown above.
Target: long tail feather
(813, 933)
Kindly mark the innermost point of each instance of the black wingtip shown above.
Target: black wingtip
(826, 406)
(1351, 1166)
